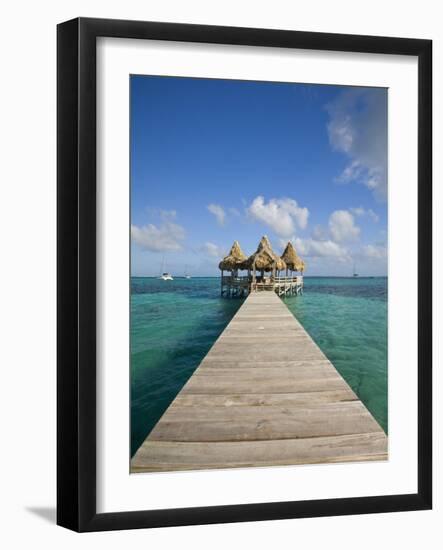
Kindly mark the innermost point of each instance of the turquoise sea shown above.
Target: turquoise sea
(175, 323)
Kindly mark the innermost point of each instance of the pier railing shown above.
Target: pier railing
(236, 280)
(297, 279)
(233, 285)
(269, 279)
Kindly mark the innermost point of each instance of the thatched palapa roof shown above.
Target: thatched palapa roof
(292, 260)
(233, 259)
(264, 258)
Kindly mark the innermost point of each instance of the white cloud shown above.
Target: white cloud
(320, 233)
(360, 211)
(358, 128)
(342, 226)
(353, 172)
(377, 252)
(320, 249)
(218, 212)
(168, 214)
(166, 237)
(213, 250)
(375, 217)
(281, 215)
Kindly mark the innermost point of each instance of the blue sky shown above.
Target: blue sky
(213, 161)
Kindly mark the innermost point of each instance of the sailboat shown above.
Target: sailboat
(187, 276)
(165, 276)
(354, 273)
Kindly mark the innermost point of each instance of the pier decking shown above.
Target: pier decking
(264, 395)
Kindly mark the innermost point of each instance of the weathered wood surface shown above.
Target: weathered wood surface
(264, 395)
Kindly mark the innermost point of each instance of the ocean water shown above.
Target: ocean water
(175, 323)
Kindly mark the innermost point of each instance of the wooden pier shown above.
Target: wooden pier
(235, 286)
(264, 395)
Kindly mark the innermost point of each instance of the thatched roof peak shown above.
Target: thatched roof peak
(289, 254)
(264, 258)
(234, 258)
(292, 260)
(264, 243)
(237, 251)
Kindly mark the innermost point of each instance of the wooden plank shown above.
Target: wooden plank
(254, 423)
(253, 350)
(266, 355)
(251, 412)
(166, 456)
(257, 337)
(265, 394)
(211, 362)
(317, 369)
(229, 386)
(279, 427)
(265, 399)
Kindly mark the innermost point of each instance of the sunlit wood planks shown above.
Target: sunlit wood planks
(264, 395)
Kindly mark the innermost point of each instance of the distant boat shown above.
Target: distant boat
(165, 276)
(187, 276)
(354, 273)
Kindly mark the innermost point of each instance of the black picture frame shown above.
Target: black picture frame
(76, 280)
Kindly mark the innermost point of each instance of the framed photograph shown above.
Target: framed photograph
(244, 274)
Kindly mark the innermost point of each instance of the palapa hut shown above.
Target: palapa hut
(233, 260)
(264, 259)
(292, 260)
